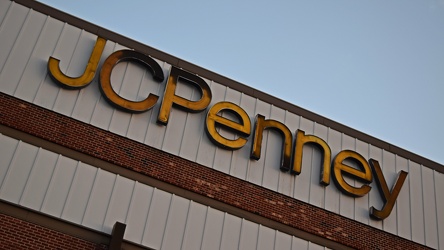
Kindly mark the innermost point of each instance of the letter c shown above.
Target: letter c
(115, 99)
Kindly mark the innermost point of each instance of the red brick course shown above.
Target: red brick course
(16, 234)
(191, 176)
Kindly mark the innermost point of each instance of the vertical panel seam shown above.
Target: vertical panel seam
(168, 219)
(31, 54)
(423, 208)
(25, 188)
(111, 198)
(46, 70)
(186, 224)
(148, 214)
(22, 27)
(69, 195)
(2, 24)
(205, 225)
(436, 207)
(11, 163)
(89, 196)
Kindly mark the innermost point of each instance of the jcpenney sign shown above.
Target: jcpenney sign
(292, 144)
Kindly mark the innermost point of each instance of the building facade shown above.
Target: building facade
(107, 143)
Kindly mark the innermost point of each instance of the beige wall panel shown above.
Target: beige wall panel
(362, 204)
(374, 196)
(20, 53)
(15, 180)
(332, 194)
(38, 180)
(213, 229)
(416, 203)
(282, 241)
(272, 152)
(10, 35)
(439, 186)
(430, 219)
(403, 202)
(299, 244)
(266, 239)
(124, 83)
(178, 122)
(72, 63)
(4, 7)
(317, 190)
(346, 203)
(35, 72)
(138, 212)
(303, 180)
(79, 193)
(240, 161)
(87, 100)
(140, 123)
(194, 227)
(194, 130)
(388, 166)
(231, 232)
(99, 200)
(7, 152)
(256, 167)
(157, 217)
(223, 158)
(220, 158)
(206, 149)
(59, 186)
(177, 219)
(119, 203)
(313, 246)
(287, 180)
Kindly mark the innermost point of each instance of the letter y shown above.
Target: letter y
(389, 197)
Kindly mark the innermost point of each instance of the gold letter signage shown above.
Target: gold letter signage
(170, 97)
(345, 163)
(88, 74)
(364, 175)
(105, 80)
(243, 128)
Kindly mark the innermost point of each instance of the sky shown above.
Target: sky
(373, 65)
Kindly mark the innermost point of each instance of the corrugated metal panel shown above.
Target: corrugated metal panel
(439, 186)
(416, 203)
(403, 202)
(430, 219)
(28, 38)
(82, 194)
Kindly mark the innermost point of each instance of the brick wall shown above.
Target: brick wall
(16, 234)
(191, 176)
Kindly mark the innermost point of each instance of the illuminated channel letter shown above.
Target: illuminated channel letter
(243, 128)
(300, 141)
(105, 80)
(87, 76)
(365, 175)
(171, 98)
(388, 197)
(259, 127)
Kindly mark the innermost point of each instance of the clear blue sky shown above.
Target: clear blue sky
(374, 65)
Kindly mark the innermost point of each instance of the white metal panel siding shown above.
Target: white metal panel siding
(28, 38)
(439, 186)
(82, 194)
